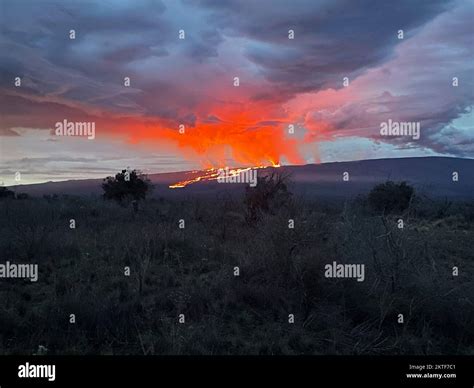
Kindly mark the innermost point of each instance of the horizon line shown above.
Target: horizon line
(285, 165)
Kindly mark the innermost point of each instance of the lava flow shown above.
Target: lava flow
(212, 174)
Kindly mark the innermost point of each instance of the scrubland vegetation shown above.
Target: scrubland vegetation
(191, 271)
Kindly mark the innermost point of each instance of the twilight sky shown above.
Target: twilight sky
(190, 81)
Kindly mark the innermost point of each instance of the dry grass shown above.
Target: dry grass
(191, 271)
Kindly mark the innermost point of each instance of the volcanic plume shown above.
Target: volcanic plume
(239, 133)
(242, 142)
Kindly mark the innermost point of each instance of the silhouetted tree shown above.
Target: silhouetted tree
(391, 197)
(127, 185)
(270, 193)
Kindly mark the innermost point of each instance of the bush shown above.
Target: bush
(126, 185)
(391, 197)
(270, 193)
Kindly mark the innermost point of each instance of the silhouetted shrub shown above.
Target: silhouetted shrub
(126, 185)
(390, 197)
(270, 193)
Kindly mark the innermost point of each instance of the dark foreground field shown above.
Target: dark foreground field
(191, 271)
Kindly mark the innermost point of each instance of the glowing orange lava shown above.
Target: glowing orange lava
(212, 174)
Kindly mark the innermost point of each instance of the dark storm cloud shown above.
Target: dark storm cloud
(332, 39)
(416, 86)
(103, 31)
(113, 40)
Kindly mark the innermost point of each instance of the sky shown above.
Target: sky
(315, 81)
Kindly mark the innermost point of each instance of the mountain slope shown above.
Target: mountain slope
(430, 175)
